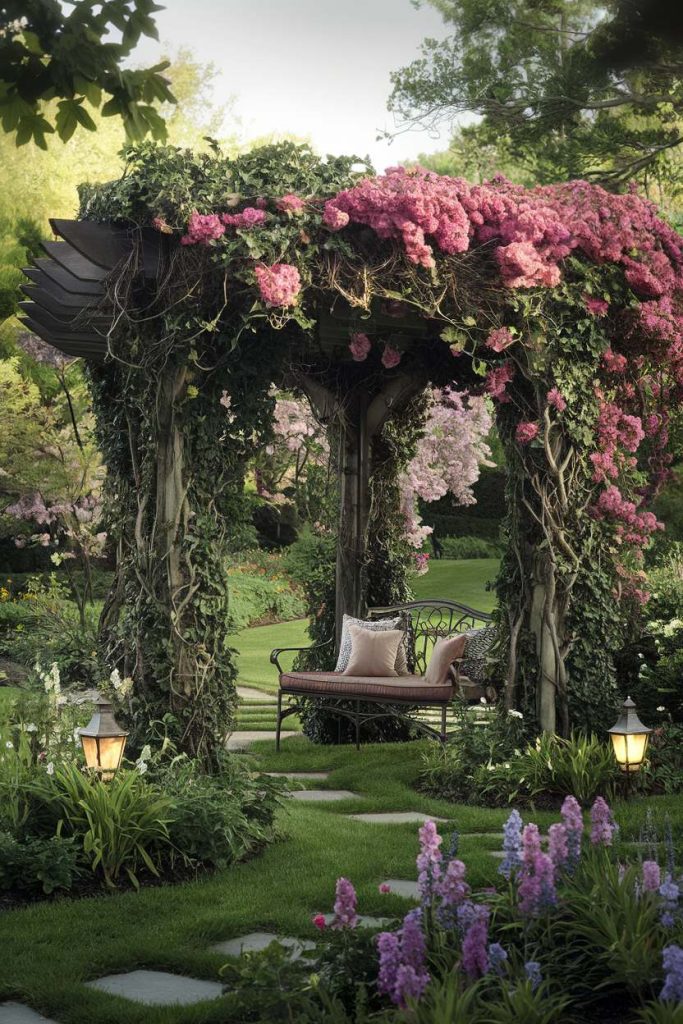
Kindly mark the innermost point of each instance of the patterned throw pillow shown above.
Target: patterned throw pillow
(374, 625)
(477, 647)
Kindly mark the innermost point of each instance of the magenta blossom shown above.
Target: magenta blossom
(597, 307)
(319, 921)
(202, 229)
(390, 357)
(499, 340)
(290, 204)
(526, 432)
(279, 285)
(556, 399)
(359, 347)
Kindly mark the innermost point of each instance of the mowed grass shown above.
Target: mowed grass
(51, 948)
(462, 580)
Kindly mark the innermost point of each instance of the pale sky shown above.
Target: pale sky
(314, 68)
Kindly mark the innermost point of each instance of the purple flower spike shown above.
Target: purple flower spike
(512, 845)
(533, 973)
(572, 820)
(672, 958)
(475, 957)
(651, 876)
(603, 826)
(345, 915)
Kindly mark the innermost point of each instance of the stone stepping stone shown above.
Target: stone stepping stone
(367, 921)
(255, 942)
(157, 988)
(395, 817)
(242, 739)
(17, 1013)
(304, 776)
(250, 693)
(403, 887)
(324, 795)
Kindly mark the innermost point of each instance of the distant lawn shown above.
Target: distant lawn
(462, 580)
(7, 697)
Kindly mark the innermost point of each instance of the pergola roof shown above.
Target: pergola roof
(68, 305)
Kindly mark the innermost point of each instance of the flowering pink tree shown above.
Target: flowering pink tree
(449, 456)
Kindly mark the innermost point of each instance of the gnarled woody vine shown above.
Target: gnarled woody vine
(562, 303)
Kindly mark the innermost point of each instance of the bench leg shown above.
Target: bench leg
(279, 722)
(444, 711)
(357, 725)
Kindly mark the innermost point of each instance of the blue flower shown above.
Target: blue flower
(497, 958)
(533, 973)
(512, 845)
(672, 958)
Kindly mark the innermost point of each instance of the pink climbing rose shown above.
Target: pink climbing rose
(250, 217)
(359, 347)
(319, 921)
(556, 399)
(202, 229)
(597, 307)
(279, 285)
(500, 339)
(390, 357)
(290, 203)
(526, 432)
(333, 218)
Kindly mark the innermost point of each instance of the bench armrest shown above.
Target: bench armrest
(275, 654)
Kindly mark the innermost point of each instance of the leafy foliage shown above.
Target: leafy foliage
(47, 52)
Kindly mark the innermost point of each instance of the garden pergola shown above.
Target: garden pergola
(562, 304)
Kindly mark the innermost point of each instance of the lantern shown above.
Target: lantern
(103, 740)
(629, 738)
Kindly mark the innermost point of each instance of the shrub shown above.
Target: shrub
(217, 819)
(121, 826)
(44, 625)
(35, 866)
(487, 771)
(257, 599)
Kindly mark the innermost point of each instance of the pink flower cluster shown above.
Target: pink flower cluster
(556, 399)
(534, 229)
(345, 904)
(279, 285)
(617, 433)
(526, 432)
(634, 526)
(359, 347)
(603, 827)
(204, 228)
(614, 362)
(499, 339)
(403, 961)
(497, 380)
(290, 204)
(391, 357)
(598, 307)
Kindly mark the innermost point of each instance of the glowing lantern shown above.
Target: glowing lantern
(629, 738)
(103, 740)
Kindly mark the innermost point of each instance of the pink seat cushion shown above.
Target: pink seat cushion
(408, 689)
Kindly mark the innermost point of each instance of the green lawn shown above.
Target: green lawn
(49, 949)
(464, 580)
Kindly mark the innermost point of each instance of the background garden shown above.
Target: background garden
(164, 866)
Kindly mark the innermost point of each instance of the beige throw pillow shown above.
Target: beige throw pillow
(373, 653)
(446, 650)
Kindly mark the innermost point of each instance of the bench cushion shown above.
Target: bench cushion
(411, 689)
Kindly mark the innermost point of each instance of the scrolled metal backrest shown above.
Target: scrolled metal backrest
(426, 621)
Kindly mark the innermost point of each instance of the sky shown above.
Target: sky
(318, 69)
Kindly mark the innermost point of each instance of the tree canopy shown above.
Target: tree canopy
(574, 88)
(52, 51)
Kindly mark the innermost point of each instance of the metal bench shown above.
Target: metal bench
(364, 699)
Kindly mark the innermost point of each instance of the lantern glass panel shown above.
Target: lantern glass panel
(629, 750)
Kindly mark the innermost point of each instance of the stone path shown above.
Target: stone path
(304, 776)
(158, 988)
(403, 887)
(323, 795)
(17, 1013)
(366, 921)
(254, 942)
(241, 739)
(395, 817)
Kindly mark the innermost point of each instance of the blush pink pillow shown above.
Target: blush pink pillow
(373, 653)
(446, 650)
